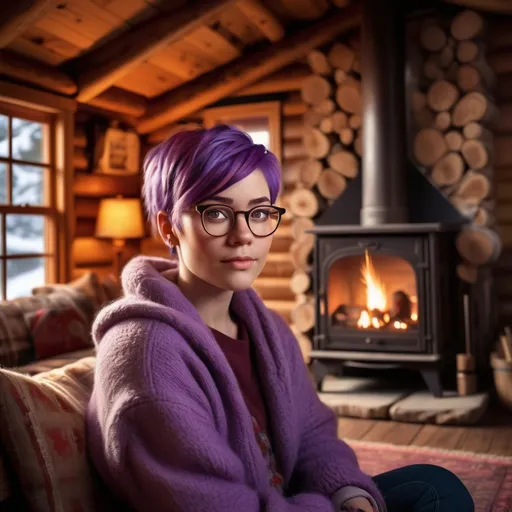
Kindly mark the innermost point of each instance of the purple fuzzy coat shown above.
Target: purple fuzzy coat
(168, 428)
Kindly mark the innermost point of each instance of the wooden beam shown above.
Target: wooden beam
(35, 73)
(18, 15)
(287, 79)
(248, 69)
(262, 18)
(104, 66)
(119, 100)
(500, 6)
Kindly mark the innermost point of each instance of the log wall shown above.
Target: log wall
(90, 253)
(499, 50)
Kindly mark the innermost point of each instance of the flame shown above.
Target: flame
(375, 290)
(376, 314)
(364, 320)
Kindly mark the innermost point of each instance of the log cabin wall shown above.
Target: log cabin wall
(88, 252)
(499, 51)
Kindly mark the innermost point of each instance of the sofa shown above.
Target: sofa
(46, 377)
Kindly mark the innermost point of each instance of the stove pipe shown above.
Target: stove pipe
(384, 162)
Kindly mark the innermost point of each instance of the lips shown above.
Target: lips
(243, 258)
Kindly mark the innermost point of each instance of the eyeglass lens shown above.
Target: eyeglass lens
(219, 220)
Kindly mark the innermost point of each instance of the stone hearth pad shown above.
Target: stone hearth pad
(360, 398)
(377, 399)
(450, 409)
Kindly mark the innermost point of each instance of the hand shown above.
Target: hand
(357, 505)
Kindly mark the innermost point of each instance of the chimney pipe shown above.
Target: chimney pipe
(384, 159)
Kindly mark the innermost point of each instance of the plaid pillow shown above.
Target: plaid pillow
(57, 331)
(16, 347)
(43, 431)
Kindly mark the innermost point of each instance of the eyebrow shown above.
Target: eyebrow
(230, 200)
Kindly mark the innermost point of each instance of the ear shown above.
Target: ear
(165, 230)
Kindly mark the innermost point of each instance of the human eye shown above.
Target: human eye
(261, 213)
(217, 214)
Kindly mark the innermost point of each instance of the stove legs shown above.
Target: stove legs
(433, 381)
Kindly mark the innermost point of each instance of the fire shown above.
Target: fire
(376, 314)
(375, 290)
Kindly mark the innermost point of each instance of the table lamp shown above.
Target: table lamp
(120, 218)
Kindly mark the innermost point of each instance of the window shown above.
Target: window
(28, 216)
(262, 121)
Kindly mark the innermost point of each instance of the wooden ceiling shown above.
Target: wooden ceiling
(161, 60)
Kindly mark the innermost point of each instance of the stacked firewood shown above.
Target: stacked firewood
(452, 108)
(332, 141)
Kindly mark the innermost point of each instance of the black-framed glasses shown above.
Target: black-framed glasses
(219, 219)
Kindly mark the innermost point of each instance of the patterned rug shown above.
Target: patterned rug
(488, 477)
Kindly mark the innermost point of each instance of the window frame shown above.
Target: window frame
(39, 106)
(269, 109)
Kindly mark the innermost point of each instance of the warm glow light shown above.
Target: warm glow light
(414, 317)
(386, 317)
(403, 325)
(375, 291)
(375, 323)
(396, 324)
(364, 320)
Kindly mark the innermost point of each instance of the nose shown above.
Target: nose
(240, 234)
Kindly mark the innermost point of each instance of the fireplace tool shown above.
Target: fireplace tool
(466, 376)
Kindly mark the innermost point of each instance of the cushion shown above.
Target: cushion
(43, 431)
(57, 331)
(89, 284)
(16, 347)
(53, 363)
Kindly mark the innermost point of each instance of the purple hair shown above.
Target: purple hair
(192, 165)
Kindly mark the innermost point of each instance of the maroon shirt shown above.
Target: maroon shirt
(241, 359)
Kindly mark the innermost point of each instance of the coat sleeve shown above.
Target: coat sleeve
(193, 470)
(325, 463)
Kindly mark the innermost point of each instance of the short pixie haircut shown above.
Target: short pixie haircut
(192, 165)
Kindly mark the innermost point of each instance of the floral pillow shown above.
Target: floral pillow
(57, 331)
(42, 429)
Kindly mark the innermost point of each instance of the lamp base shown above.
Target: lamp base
(118, 245)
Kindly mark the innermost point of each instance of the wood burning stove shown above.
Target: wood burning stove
(385, 284)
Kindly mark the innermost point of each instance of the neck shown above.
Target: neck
(211, 302)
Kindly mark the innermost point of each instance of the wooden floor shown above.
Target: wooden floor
(492, 435)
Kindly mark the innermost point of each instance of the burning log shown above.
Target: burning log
(401, 307)
(346, 316)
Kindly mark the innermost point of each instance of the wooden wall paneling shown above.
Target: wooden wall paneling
(234, 21)
(293, 105)
(305, 9)
(36, 51)
(80, 138)
(41, 45)
(65, 30)
(120, 101)
(228, 79)
(82, 18)
(37, 73)
(175, 59)
(84, 227)
(263, 18)
(130, 11)
(216, 47)
(102, 271)
(107, 64)
(80, 162)
(86, 207)
(499, 53)
(154, 247)
(103, 185)
(18, 16)
(287, 79)
(88, 250)
(149, 80)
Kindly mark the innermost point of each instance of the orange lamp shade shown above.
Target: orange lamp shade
(120, 218)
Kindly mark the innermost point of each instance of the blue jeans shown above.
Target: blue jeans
(424, 488)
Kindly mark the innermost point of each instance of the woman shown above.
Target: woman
(202, 401)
